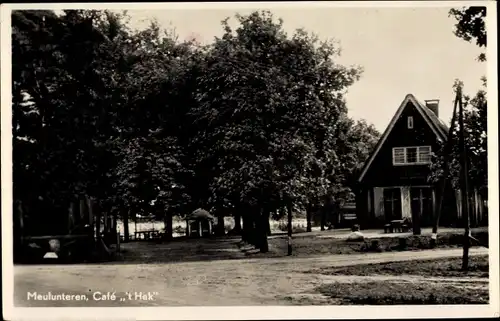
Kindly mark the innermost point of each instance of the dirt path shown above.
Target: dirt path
(224, 282)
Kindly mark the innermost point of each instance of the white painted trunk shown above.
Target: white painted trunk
(459, 203)
(405, 202)
(378, 201)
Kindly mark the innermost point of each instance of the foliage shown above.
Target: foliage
(471, 25)
(476, 143)
(268, 110)
(145, 123)
(59, 120)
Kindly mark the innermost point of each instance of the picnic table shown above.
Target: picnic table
(396, 226)
(146, 235)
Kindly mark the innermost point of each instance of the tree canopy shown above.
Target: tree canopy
(143, 122)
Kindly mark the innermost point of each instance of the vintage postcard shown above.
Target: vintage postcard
(260, 160)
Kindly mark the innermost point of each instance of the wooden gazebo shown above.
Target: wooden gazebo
(199, 223)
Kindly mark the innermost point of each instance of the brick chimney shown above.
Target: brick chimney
(433, 105)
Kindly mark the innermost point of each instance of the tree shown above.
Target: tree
(266, 102)
(475, 121)
(59, 123)
(471, 25)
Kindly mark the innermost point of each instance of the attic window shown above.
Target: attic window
(411, 155)
(410, 122)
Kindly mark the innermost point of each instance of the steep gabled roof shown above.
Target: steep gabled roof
(437, 125)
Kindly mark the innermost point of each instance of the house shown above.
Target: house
(393, 183)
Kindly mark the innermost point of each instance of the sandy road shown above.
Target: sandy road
(223, 282)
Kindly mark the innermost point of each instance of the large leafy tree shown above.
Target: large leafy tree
(267, 105)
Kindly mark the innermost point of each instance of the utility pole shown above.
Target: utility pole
(464, 185)
(446, 170)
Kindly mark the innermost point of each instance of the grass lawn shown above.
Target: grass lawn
(307, 245)
(449, 267)
(399, 293)
(407, 290)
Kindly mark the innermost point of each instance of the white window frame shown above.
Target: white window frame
(420, 149)
(410, 122)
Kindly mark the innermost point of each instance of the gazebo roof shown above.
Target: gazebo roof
(199, 214)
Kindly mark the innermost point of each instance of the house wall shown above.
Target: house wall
(477, 209)
(382, 172)
(378, 201)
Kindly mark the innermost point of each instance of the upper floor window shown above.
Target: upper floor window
(411, 155)
(410, 122)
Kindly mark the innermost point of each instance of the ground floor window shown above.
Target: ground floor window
(392, 204)
(422, 205)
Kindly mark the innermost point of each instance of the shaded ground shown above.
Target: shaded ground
(334, 242)
(405, 292)
(272, 281)
(304, 245)
(436, 281)
(478, 267)
(183, 250)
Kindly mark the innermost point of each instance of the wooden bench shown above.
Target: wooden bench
(396, 226)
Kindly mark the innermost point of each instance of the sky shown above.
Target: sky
(402, 50)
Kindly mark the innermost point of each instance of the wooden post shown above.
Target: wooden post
(464, 184)
(188, 228)
(200, 231)
(209, 227)
(448, 149)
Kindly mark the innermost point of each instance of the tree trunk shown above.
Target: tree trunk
(252, 231)
(126, 233)
(98, 221)
(220, 231)
(267, 224)
(82, 211)
(308, 217)
(289, 208)
(246, 226)
(323, 217)
(168, 220)
(261, 231)
(237, 223)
